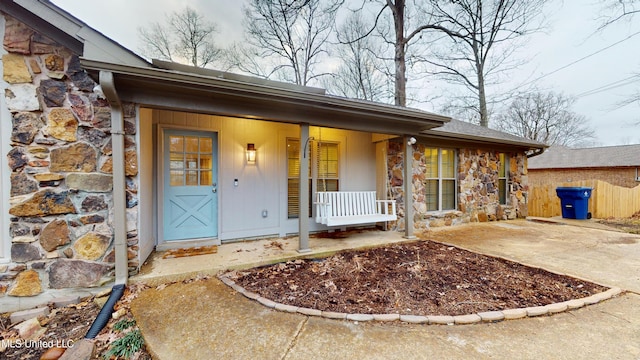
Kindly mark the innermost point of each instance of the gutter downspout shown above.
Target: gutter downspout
(119, 181)
(119, 221)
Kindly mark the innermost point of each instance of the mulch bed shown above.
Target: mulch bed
(419, 278)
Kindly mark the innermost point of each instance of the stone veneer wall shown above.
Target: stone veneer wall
(477, 187)
(60, 161)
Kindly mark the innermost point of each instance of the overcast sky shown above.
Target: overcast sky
(598, 81)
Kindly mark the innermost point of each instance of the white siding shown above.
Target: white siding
(263, 185)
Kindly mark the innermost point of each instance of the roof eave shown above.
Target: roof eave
(484, 140)
(277, 104)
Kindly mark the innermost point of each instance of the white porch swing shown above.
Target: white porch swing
(340, 208)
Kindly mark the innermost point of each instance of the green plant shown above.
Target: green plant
(125, 347)
(124, 324)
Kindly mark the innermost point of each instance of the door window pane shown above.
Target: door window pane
(192, 178)
(175, 163)
(176, 143)
(206, 145)
(192, 144)
(191, 161)
(205, 161)
(177, 177)
(205, 178)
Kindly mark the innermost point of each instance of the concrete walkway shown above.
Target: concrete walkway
(207, 319)
(606, 257)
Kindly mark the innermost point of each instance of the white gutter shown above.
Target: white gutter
(119, 180)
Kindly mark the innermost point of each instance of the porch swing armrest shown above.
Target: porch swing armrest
(383, 207)
(323, 209)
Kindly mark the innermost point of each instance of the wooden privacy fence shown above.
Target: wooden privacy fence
(606, 200)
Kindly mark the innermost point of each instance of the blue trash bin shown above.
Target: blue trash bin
(574, 202)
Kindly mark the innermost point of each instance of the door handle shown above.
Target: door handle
(214, 189)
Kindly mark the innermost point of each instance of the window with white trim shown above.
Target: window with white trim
(440, 179)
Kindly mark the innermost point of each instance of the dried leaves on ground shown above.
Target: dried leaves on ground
(67, 325)
(422, 278)
(62, 327)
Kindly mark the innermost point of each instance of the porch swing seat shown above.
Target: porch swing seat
(339, 208)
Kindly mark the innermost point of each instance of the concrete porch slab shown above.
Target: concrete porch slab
(252, 253)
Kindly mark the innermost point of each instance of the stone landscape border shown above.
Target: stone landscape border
(488, 316)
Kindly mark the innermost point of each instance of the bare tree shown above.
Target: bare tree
(618, 10)
(615, 11)
(284, 38)
(359, 75)
(409, 24)
(482, 43)
(185, 37)
(546, 117)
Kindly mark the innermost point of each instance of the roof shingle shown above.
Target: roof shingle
(463, 130)
(559, 157)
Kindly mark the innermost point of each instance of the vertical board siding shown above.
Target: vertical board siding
(606, 200)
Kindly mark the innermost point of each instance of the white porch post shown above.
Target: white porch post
(408, 189)
(303, 199)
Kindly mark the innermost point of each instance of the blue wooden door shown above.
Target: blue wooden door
(190, 185)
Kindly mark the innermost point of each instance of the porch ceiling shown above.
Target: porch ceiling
(192, 92)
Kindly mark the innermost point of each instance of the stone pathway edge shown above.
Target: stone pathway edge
(482, 317)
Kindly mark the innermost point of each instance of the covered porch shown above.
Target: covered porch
(182, 89)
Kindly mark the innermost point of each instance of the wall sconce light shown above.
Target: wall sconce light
(251, 154)
(411, 141)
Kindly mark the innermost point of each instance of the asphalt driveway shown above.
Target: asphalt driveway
(207, 319)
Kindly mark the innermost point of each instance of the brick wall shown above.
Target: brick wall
(624, 177)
